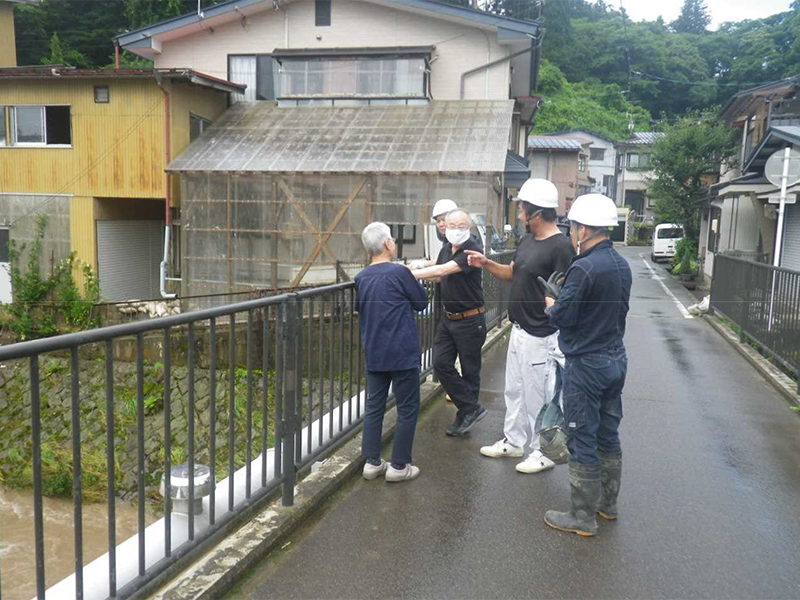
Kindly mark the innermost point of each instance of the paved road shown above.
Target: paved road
(708, 508)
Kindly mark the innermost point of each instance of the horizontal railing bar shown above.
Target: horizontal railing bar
(92, 336)
(759, 265)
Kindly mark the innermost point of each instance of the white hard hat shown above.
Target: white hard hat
(442, 207)
(539, 192)
(594, 210)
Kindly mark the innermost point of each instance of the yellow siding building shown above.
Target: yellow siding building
(88, 148)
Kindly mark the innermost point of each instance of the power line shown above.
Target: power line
(714, 83)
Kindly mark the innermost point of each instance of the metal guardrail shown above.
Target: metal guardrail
(318, 398)
(764, 303)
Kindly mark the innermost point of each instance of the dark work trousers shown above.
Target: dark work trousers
(462, 339)
(405, 385)
(593, 403)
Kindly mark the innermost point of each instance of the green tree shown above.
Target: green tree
(684, 161)
(62, 54)
(694, 17)
(589, 104)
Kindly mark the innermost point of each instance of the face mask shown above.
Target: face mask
(457, 237)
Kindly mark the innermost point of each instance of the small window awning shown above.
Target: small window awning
(517, 171)
(440, 137)
(405, 51)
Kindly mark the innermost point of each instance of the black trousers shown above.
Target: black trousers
(463, 340)
(405, 385)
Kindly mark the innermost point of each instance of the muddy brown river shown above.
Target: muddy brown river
(17, 554)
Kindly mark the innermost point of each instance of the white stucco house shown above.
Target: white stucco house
(377, 107)
(633, 174)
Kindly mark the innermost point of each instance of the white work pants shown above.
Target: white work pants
(530, 371)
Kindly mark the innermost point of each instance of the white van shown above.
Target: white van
(665, 237)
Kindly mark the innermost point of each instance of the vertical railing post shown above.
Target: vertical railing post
(744, 309)
(289, 331)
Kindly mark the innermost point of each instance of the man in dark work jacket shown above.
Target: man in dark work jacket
(462, 330)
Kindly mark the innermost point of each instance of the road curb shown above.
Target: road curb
(216, 572)
(775, 377)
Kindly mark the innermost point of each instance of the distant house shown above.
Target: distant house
(565, 162)
(738, 217)
(632, 173)
(602, 159)
(8, 46)
(355, 110)
(88, 149)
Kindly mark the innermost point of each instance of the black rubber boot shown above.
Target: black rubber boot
(610, 475)
(584, 483)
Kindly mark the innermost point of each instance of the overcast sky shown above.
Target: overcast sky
(721, 10)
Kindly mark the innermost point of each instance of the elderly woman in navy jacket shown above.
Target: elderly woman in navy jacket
(386, 297)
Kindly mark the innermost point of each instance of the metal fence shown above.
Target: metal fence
(288, 371)
(764, 303)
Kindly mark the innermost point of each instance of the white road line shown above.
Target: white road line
(659, 279)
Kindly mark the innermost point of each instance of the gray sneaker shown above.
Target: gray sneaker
(373, 471)
(394, 475)
(470, 420)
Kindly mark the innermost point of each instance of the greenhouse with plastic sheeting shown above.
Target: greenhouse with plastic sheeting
(276, 197)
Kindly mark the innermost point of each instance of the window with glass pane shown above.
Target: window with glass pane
(4, 258)
(353, 77)
(242, 69)
(197, 125)
(28, 125)
(597, 153)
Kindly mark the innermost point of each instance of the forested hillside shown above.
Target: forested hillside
(601, 69)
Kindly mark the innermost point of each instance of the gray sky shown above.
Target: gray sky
(721, 10)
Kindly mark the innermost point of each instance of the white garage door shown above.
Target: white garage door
(128, 258)
(790, 255)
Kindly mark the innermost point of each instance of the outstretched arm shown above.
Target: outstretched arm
(479, 261)
(437, 271)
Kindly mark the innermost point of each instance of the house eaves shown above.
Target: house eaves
(776, 138)
(739, 103)
(147, 40)
(582, 130)
(69, 73)
(551, 144)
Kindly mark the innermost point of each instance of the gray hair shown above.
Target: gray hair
(460, 211)
(374, 237)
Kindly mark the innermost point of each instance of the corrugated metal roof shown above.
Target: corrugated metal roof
(554, 143)
(440, 137)
(644, 138)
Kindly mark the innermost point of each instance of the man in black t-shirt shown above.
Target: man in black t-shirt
(462, 330)
(533, 347)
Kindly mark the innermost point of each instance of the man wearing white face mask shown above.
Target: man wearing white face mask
(462, 331)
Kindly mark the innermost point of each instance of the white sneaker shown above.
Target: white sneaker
(407, 474)
(501, 449)
(373, 471)
(535, 463)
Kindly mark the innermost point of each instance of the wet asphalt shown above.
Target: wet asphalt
(708, 506)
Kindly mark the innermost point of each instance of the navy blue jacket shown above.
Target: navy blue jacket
(593, 304)
(386, 293)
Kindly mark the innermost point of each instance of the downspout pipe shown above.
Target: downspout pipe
(168, 193)
(494, 63)
(116, 56)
